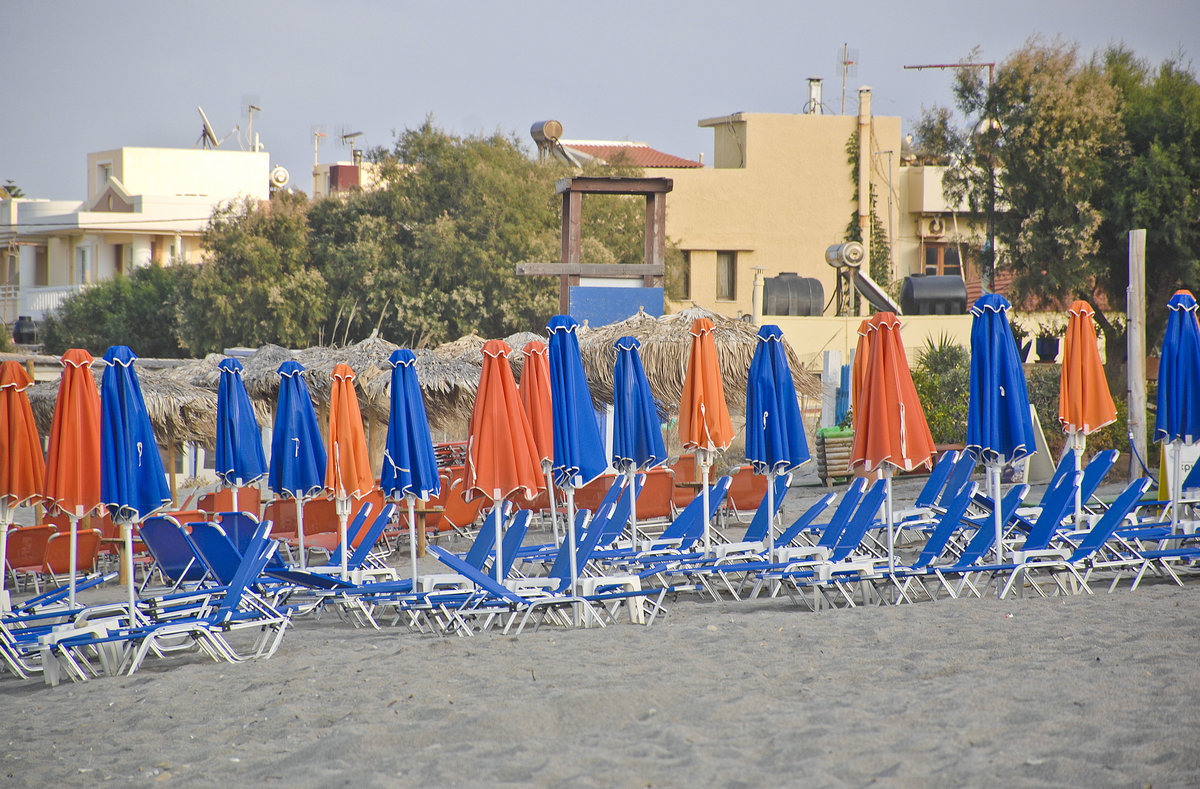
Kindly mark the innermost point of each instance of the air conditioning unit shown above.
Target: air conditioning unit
(935, 228)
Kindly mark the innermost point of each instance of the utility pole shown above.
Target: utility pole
(987, 275)
(1135, 339)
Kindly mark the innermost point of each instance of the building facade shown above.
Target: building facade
(144, 206)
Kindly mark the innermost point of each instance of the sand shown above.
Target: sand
(1091, 691)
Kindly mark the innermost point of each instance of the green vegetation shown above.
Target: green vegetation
(429, 256)
(942, 376)
(1078, 152)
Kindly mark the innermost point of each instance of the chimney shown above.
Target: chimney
(814, 96)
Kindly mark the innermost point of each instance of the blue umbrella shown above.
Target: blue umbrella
(578, 451)
(637, 428)
(775, 440)
(297, 449)
(1178, 414)
(132, 481)
(999, 427)
(410, 468)
(239, 455)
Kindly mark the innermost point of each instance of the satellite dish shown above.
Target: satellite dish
(208, 138)
(279, 177)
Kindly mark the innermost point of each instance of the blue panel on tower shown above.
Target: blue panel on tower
(601, 306)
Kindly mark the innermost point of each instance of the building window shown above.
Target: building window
(686, 283)
(41, 268)
(726, 276)
(81, 265)
(103, 173)
(942, 259)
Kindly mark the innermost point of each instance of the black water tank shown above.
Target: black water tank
(934, 295)
(791, 294)
(24, 331)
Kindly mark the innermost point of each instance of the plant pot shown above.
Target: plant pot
(1047, 349)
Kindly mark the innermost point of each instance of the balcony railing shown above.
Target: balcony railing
(36, 302)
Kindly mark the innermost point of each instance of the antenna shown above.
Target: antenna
(848, 63)
(318, 132)
(208, 139)
(250, 103)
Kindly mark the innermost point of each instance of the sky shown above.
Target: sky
(79, 77)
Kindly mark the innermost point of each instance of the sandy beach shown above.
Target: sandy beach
(1091, 691)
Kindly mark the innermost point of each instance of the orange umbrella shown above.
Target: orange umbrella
(861, 354)
(502, 454)
(704, 424)
(1084, 402)
(347, 468)
(22, 467)
(73, 459)
(890, 430)
(535, 397)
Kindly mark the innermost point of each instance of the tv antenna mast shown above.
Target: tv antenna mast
(848, 63)
(250, 103)
(347, 138)
(318, 133)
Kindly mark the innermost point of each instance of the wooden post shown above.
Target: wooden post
(1135, 306)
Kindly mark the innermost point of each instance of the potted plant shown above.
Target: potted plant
(1021, 335)
(1048, 336)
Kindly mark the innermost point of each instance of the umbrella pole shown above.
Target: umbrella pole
(412, 536)
(631, 488)
(548, 468)
(771, 515)
(889, 516)
(74, 552)
(574, 546)
(1176, 485)
(707, 517)
(993, 470)
(1077, 451)
(127, 528)
(342, 505)
(5, 521)
(497, 512)
(300, 528)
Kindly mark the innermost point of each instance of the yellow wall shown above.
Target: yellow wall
(811, 337)
(780, 192)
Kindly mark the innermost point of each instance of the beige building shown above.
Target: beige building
(144, 206)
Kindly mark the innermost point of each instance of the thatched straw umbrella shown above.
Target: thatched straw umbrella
(665, 345)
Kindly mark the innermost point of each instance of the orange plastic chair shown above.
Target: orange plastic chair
(245, 499)
(458, 514)
(58, 553)
(26, 551)
(746, 491)
(656, 501)
(591, 495)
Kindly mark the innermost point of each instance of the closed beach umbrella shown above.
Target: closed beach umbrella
(239, 451)
(348, 467)
(133, 484)
(775, 442)
(578, 450)
(501, 453)
(1084, 402)
(297, 451)
(410, 469)
(1178, 414)
(890, 430)
(73, 454)
(22, 467)
(637, 429)
(535, 397)
(999, 427)
(704, 424)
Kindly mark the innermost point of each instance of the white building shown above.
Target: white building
(144, 206)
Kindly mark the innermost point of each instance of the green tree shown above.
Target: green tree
(432, 255)
(1040, 135)
(139, 310)
(1155, 183)
(256, 285)
(880, 253)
